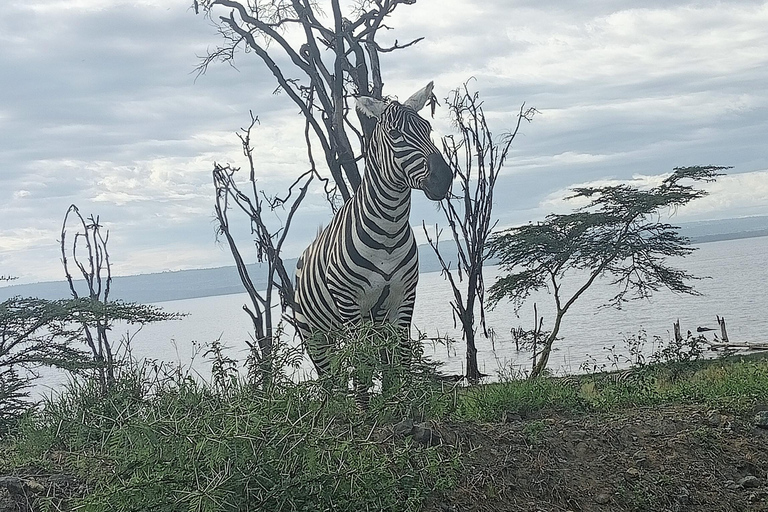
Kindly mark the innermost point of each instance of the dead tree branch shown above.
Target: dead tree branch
(476, 159)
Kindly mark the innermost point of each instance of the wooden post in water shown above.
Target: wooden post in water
(721, 322)
(676, 328)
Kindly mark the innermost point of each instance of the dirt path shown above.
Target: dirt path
(674, 458)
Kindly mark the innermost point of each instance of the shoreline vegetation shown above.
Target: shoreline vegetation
(681, 433)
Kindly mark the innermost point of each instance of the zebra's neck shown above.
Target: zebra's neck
(386, 206)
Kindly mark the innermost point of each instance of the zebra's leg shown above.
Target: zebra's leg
(397, 358)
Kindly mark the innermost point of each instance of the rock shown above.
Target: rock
(581, 449)
(14, 484)
(602, 499)
(20, 486)
(35, 486)
(420, 433)
(683, 498)
(714, 419)
(404, 428)
(426, 436)
(749, 482)
(761, 419)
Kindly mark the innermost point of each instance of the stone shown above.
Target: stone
(404, 428)
(749, 482)
(761, 419)
(420, 433)
(14, 484)
(602, 499)
(714, 419)
(426, 436)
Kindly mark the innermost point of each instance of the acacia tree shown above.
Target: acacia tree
(617, 235)
(476, 159)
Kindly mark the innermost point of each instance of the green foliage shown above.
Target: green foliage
(736, 384)
(684, 350)
(158, 440)
(37, 332)
(377, 357)
(533, 430)
(617, 235)
(492, 402)
(184, 446)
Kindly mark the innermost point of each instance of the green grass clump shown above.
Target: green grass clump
(173, 444)
(737, 384)
(525, 397)
(187, 447)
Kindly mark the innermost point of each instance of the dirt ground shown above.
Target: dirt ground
(668, 458)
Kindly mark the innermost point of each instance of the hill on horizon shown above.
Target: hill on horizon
(205, 282)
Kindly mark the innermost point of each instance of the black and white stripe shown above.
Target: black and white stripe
(364, 264)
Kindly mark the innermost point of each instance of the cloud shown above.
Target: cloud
(731, 195)
(102, 107)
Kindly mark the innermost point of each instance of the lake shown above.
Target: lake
(735, 289)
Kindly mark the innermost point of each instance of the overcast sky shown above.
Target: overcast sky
(100, 106)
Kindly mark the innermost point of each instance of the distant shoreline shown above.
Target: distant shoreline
(704, 239)
(220, 281)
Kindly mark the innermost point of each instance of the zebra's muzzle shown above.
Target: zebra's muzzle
(438, 182)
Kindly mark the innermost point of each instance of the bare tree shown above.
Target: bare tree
(93, 310)
(476, 159)
(320, 58)
(336, 57)
(97, 275)
(268, 245)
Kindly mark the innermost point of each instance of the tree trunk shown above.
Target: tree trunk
(473, 372)
(468, 326)
(541, 364)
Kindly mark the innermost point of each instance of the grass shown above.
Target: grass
(179, 445)
(188, 448)
(735, 384)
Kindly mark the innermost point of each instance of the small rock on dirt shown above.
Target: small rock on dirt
(426, 436)
(602, 499)
(749, 482)
(714, 418)
(404, 428)
(761, 419)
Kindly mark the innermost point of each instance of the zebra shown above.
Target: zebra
(364, 265)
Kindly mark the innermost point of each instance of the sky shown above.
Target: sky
(100, 106)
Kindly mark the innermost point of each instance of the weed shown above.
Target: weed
(533, 430)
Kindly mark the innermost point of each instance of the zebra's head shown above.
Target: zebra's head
(402, 146)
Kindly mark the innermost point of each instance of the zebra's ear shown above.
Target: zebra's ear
(370, 106)
(420, 98)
